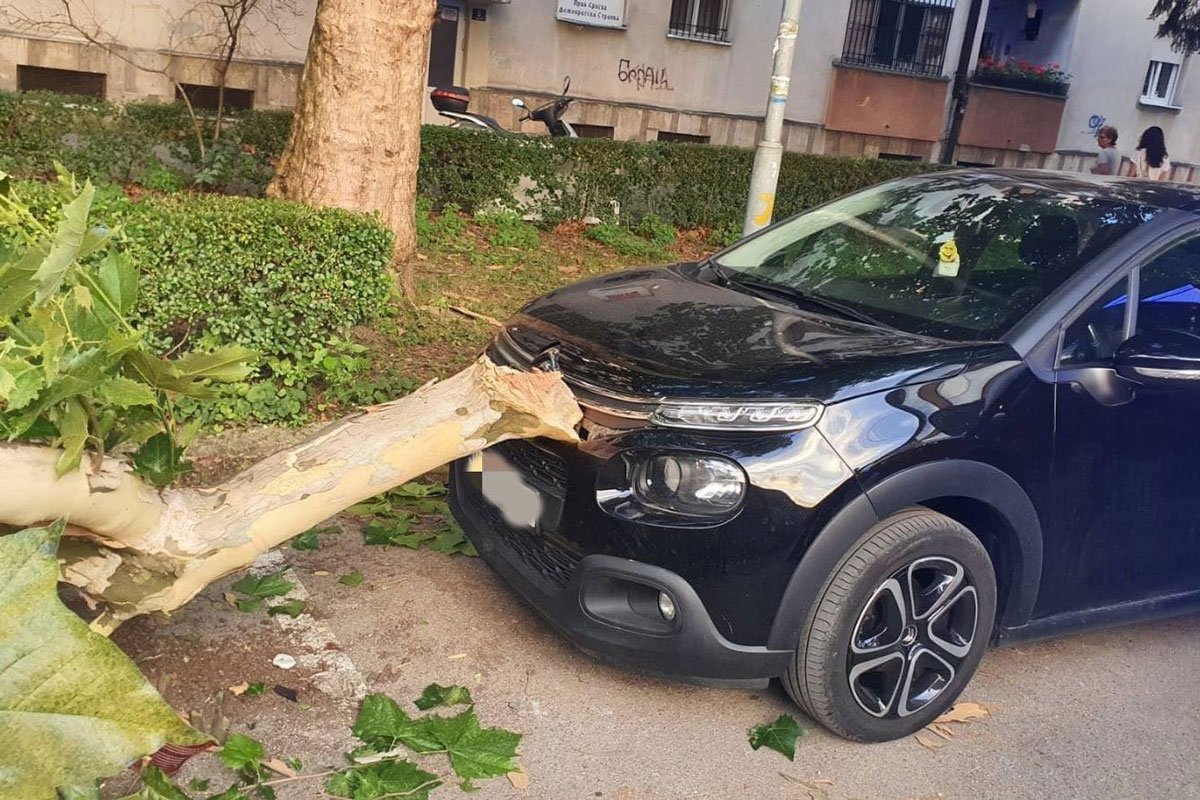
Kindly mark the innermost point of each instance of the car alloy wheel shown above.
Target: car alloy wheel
(900, 627)
(911, 637)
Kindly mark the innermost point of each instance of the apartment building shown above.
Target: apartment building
(871, 77)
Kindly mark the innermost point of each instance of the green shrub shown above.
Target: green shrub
(657, 230)
(507, 229)
(157, 177)
(279, 278)
(442, 231)
(623, 242)
(684, 185)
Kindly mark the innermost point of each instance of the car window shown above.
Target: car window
(1169, 290)
(953, 256)
(1096, 333)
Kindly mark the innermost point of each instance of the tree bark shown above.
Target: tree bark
(139, 549)
(356, 134)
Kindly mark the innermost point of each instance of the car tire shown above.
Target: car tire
(899, 629)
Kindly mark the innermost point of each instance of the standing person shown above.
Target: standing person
(1108, 160)
(1150, 159)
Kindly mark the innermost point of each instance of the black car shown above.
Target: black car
(856, 448)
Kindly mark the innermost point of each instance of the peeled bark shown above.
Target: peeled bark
(356, 133)
(139, 549)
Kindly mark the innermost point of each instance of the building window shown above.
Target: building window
(1161, 80)
(60, 81)
(903, 35)
(706, 20)
(206, 97)
(584, 131)
(690, 138)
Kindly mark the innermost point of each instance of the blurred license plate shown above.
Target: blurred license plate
(506, 489)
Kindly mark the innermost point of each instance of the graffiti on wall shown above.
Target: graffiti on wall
(643, 76)
(1095, 123)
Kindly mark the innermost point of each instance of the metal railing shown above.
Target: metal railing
(902, 35)
(707, 20)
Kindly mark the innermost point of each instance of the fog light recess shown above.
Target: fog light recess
(666, 606)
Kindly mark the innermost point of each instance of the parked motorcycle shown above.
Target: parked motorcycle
(453, 102)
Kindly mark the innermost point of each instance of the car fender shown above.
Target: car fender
(906, 488)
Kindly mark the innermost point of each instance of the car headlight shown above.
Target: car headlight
(719, 416)
(689, 484)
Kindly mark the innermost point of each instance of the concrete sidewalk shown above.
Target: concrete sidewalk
(1113, 714)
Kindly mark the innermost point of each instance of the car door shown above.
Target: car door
(1126, 463)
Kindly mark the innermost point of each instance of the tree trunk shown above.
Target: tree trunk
(356, 135)
(138, 549)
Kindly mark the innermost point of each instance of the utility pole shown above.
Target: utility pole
(962, 88)
(769, 153)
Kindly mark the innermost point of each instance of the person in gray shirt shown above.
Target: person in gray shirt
(1108, 160)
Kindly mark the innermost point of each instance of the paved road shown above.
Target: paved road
(1114, 714)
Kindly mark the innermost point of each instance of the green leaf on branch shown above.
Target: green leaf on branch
(262, 586)
(73, 707)
(382, 724)
(160, 460)
(240, 752)
(779, 735)
(72, 437)
(68, 240)
(226, 365)
(438, 695)
(390, 779)
(157, 786)
(309, 539)
(126, 393)
(293, 608)
(476, 752)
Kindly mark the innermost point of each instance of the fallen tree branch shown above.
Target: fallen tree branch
(139, 550)
(466, 312)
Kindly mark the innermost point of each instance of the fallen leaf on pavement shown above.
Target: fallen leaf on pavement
(519, 780)
(231, 598)
(815, 792)
(940, 730)
(928, 743)
(779, 736)
(239, 690)
(457, 656)
(321, 572)
(275, 765)
(963, 712)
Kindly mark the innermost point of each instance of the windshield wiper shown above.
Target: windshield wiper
(796, 296)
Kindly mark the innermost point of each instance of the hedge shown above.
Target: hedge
(688, 185)
(280, 278)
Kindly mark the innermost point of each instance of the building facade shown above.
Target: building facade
(871, 78)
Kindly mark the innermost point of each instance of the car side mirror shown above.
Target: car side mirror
(1165, 358)
(518, 102)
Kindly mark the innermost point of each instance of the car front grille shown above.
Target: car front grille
(534, 552)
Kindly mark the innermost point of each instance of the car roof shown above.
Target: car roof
(1157, 194)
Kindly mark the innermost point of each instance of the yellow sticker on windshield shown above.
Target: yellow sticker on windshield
(948, 260)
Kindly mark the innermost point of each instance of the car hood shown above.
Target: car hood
(664, 332)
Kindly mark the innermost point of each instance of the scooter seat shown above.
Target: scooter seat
(489, 121)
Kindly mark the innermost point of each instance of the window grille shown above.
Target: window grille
(706, 20)
(902, 35)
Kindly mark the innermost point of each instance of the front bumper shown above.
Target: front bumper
(607, 606)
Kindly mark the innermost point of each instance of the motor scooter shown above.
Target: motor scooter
(452, 102)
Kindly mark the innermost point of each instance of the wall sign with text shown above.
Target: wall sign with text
(601, 13)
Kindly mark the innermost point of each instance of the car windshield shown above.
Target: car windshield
(961, 257)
